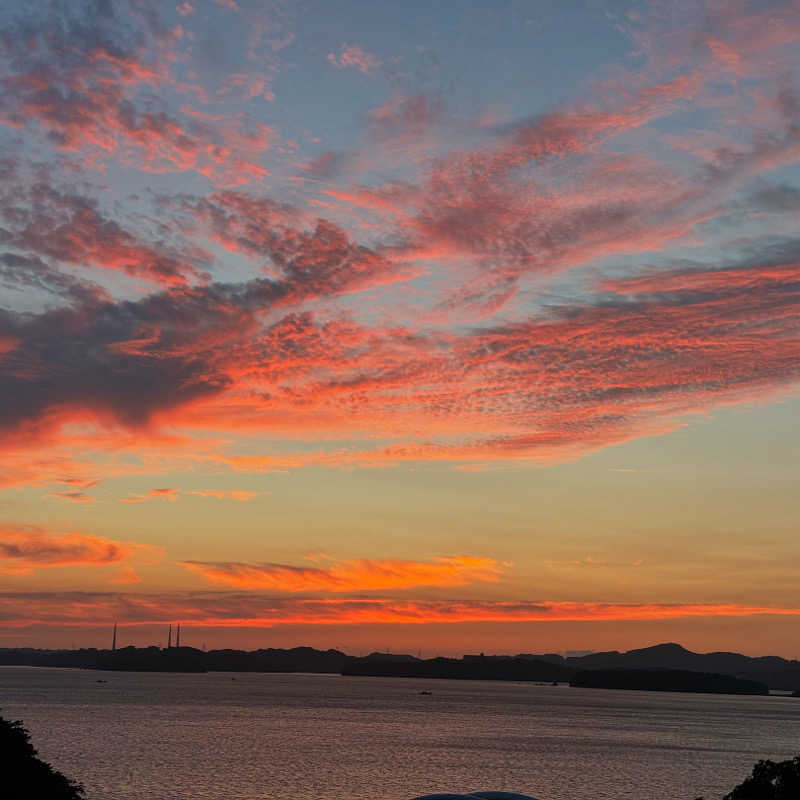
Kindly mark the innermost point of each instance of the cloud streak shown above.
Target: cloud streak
(231, 609)
(240, 495)
(24, 548)
(153, 494)
(351, 576)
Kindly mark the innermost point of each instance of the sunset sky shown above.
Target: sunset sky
(423, 326)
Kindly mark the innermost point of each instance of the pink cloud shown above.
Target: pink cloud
(91, 107)
(724, 54)
(73, 229)
(432, 372)
(246, 86)
(352, 55)
(312, 256)
(404, 119)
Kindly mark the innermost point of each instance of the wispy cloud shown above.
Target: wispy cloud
(231, 609)
(74, 497)
(240, 495)
(353, 55)
(592, 561)
(127, 575)
(153, 494)
(351, 576)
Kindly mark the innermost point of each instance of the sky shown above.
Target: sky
(435, 328)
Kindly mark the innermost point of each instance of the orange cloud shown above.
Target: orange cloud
(351, 576)
(554, 385)
(24, 548)
(127, 575)
(74, 497)
(153, 494)
(230, 609)
(239, 495)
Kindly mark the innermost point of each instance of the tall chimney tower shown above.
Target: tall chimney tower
(169, 637)
(114, 639)
(178, 639)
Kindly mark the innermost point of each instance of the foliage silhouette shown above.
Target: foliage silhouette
(24, 775)
(770, 780)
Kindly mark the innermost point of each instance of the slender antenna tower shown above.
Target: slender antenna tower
(178, 640)
(169, 637)
(114, 639)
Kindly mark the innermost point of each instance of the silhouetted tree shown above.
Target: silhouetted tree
(24, 775)
(770, 780)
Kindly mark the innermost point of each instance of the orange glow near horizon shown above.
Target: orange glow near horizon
(144, 609)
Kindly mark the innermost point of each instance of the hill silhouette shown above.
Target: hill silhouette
(774, 671)
(180, 659)
(498, 668)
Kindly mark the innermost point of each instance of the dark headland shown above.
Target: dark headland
(667, 680)
(657, 667)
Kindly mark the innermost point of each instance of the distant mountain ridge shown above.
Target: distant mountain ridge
(774, 671)
(180, 659)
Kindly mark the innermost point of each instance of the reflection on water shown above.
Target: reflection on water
(219, 736)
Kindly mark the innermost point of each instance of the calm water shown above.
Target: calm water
(317, 737)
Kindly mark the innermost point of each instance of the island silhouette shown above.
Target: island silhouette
(667, 680)
(653, 668)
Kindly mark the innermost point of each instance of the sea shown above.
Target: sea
(253, 736)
